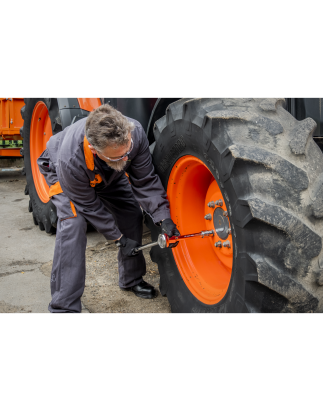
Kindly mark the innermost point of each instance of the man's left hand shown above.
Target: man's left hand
(169, 228)
(126, 246)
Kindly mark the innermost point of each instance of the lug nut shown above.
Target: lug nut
(219, 203)
(229, 231)
(227, 244)
(218, 244)
(208, 217)
(211, 204)
(225, 213)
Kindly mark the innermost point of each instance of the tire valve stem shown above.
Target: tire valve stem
(227, 244)
(208, 217)
(219, 203)
(218, 244)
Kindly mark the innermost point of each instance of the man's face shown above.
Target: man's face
(114, 152)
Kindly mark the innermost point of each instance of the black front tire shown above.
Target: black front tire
(270, 173)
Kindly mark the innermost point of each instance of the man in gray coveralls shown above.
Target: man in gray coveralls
(85, 166)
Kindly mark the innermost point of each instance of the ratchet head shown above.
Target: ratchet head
(167, 242)
(162, 240)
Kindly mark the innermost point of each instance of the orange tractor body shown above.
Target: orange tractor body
(10, 124)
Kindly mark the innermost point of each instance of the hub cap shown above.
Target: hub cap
(40, 133)
(221, 223)
(204, 264)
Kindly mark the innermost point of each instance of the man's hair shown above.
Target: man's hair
(106, 126)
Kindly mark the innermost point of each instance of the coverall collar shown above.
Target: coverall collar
(89, 157)
(90, 162)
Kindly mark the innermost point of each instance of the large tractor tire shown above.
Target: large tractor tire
(43, 117)
(251, 172)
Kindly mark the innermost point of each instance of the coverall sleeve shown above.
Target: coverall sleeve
(47, 169)
(146, 184)
(86, 201)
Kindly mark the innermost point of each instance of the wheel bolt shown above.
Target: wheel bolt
(229, 231)
(218, 244)
(211, 204)
(227, 244)
(225, 213)
(219, 203)
(208, 217)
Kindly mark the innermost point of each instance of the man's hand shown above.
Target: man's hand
(126, 246)
(169, 228)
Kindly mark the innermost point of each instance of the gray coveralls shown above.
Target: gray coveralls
(80, 192)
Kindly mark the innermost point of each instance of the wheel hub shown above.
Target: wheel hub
(221, 223)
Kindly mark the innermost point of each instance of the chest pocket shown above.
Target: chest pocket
(97, 180)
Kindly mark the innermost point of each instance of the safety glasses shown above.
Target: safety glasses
(120, 158)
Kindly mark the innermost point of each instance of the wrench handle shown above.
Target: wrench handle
(202, 234)
(143, 247)
(171, 242)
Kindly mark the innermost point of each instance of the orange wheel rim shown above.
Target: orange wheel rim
(205, 268)
(40, 133)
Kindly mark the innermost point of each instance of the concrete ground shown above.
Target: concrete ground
(26, 258)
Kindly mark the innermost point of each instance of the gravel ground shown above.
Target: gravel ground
(102, 293)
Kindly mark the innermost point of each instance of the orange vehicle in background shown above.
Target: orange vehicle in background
(10, 124)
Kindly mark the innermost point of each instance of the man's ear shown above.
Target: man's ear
(92, 149)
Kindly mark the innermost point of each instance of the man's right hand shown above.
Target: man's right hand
(169, 227)
(126, 246)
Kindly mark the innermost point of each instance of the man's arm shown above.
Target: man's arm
(87, 203)
(146, 184)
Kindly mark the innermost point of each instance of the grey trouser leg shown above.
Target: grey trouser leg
(120, 201)
(68, 272)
